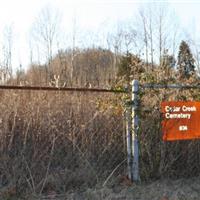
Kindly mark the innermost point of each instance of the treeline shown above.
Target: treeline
(151, 45)
(171, 69)
(102, 68)
(82, 67)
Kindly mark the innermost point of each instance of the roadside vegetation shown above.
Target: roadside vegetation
(55, 143)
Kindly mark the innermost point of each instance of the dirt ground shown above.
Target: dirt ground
(182, 189)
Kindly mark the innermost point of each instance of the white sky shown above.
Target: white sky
(91, 15)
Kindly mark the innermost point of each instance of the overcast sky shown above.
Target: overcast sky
(91, 16)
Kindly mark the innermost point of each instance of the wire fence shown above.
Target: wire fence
(59, 141)
(158, 158)
(70, 89)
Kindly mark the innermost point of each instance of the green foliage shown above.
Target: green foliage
(186, 61)
(131, 67)
(124, 67)
(167, 60)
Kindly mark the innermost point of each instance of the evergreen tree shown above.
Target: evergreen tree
(130, 67)
(167, 60)
(186, 65)
(124, 67)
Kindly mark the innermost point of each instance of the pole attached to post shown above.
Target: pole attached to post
(128, 140)
(135, 126)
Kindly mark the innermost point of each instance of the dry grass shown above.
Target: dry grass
(56, 142)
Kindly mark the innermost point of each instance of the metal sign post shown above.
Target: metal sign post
(128, 141)
(135, 126)
(180, 122)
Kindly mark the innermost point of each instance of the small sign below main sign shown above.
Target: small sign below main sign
(180, 120)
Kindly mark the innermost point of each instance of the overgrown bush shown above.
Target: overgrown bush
(57, 141)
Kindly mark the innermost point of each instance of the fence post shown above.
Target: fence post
(135, 126)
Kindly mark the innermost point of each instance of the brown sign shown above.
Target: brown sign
(180, 120)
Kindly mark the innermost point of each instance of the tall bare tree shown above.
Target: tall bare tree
(158, 32)
(151, 37)
(7, 50)
(46, 30)
(74, 32)
(145, 34)
(114, 42)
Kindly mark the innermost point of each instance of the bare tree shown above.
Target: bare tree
(145, 34)
(167, 29)
(158, 32)
(114, 42)
(151, 37)
(74, 31)
(195, 46)
(7, 50)
(45, 30)
(161, 32)
(128, 38)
